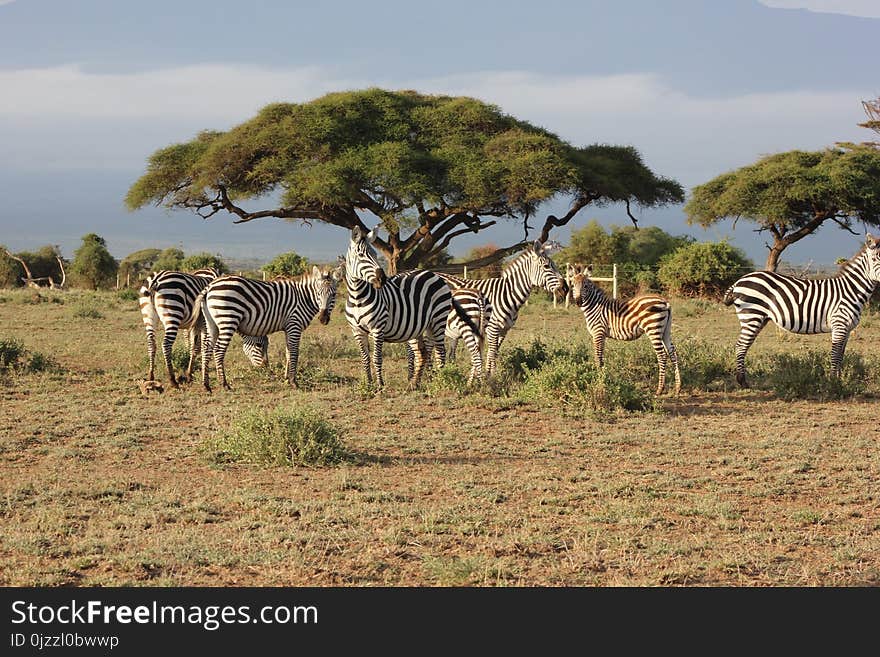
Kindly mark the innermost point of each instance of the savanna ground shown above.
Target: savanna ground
(104, 485)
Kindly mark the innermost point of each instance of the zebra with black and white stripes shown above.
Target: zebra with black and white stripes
(626, 320)
(168, 298)
(231, 304)
(825, 305)
(411, 307)
(507, 293)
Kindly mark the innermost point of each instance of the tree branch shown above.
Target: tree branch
(553, 222)
(630, 215)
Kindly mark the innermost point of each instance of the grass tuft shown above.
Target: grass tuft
(302, 436)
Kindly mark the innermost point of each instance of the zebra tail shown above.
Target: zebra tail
(206, 320)
(463, 316)
(729, 296)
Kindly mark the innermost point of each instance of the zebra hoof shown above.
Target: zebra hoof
(741, 380)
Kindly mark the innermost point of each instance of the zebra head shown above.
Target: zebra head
(324, 284)
(361, 262)
(256, 348)
(872, 254)
(580, 281)
(542, 270)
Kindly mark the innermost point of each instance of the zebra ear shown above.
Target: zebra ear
(538, 247)
(356, 234)
(871, 241)
(372, 235)
(316, 273)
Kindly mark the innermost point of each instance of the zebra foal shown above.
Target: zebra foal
(168, 298)
(825, 305)
(617, 319)
(233, 304)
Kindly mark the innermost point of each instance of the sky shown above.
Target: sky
(91, 88)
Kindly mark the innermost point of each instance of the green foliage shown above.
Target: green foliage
(395, 155)
(447, 379)
(636, 252)
(518, 361)
(286, 264)
(42, 262)
(805, 376)
(93, 265)
(301, 436)
(569, 379)
(702, 269)
(170, 259)
(203, 261)
(85, 310)
(15, 357)
(11, 271)
(795, 190)
(127, 294)
(136, 266)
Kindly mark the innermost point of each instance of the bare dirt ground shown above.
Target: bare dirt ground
(103, 485)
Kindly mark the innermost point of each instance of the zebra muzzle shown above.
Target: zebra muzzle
(324, 317)
(379, 281)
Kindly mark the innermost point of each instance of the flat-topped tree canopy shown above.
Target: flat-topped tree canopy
(791, 194)
(428, 167)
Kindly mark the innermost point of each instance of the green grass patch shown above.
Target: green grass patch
(14, 356)
(282, 437)
(806, 376)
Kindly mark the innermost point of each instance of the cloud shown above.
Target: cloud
(74, 118)
(863, 8)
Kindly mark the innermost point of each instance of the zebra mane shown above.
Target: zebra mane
(849, 264)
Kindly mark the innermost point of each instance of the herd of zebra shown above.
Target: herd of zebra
(423, 309)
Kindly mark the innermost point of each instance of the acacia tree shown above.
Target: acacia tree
(427, 168)
(790, 195)
(92, 262)
(872, 111)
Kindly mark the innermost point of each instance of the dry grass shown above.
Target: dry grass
(102, 485)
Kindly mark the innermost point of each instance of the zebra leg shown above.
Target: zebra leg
(662, 358)
(167, 343)
(151, 352)
(450, 352)
(748, 331)
(436, 345)
(417, 354)
(220, 354)
(363, 341)
(194, 341)
(673, 357)
(839, 338)
(599, 348)
(294, 335)
(378, 342)
(493, 344)
(473, 345)
(207, 357)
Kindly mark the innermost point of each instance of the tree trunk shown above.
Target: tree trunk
(774, 255)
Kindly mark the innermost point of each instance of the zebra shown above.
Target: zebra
(168, 297)
(258, 308)
(619, 319)
(824, 305)
(507, 293)
(478, 308)
(411, 307)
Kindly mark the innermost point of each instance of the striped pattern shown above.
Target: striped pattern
(618, 319)
(826, 305)
(168, 298)
(411, 307)
(508, 292)
(233, 304)
(476, 306)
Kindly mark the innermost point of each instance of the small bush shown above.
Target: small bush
(15, 357)
(11, 350)
(702, 269)
(86, 311)
(517, 362)
(280, 437)
(127, 294)
(447, 379)
(570, 380)
(805, 376)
